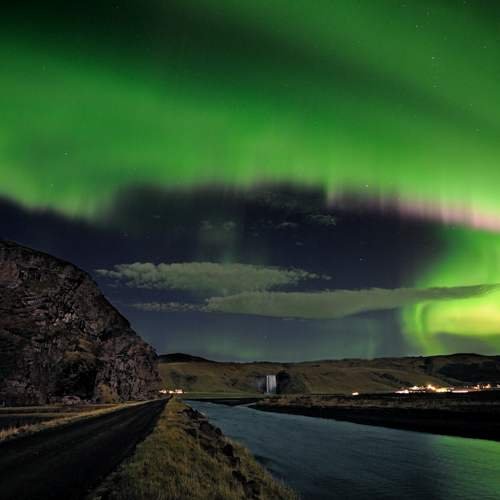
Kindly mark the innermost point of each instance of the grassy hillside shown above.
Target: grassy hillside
(342, 376)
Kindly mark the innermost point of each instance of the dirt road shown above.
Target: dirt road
(67, 462)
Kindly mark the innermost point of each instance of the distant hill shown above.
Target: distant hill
(328, 376)
(179, 357)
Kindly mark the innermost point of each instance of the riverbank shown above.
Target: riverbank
(473, 415)
(187, 457)
(223, 399)
(324, 458)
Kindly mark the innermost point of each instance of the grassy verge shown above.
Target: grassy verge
(53, 408)
(59, 420)
(185, 457)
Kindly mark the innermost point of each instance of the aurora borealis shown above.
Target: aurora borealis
(473, 257)
(386, 109)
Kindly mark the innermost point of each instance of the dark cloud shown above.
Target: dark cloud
(147, 224)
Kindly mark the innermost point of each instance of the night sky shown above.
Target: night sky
(279, 180)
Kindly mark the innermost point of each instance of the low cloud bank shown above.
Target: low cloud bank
(335, 304)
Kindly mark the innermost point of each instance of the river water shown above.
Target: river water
(323, 459)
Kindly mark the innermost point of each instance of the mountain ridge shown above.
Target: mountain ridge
(333, 376)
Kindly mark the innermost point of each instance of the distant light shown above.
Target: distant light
(429, 388)
(355, 393)
(171, 391)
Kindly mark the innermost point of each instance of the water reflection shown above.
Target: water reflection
(325, 459)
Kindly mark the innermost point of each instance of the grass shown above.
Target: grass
(475, 401)
(185, 459)
(58, 420)
(9, 432)
(54, 408)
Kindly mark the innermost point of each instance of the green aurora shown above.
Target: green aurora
(397, 105)
(473, 258)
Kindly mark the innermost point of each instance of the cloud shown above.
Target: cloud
(323, 219)
(167, 307)
(335, 304)
(287, 225)
(227, 226)
(205, 277)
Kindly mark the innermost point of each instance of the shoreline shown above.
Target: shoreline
(466, 424)
(239, 401)
(450, 416)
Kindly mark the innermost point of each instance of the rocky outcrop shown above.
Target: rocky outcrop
(59, 336)
(286, 384)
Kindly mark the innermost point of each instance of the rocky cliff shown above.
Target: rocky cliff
(59, 336)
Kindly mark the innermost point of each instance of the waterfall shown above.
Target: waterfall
(270, 384)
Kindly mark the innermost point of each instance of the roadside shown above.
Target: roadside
(67, 461)
(185, 457)
(38, 419)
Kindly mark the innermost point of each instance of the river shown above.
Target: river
(327, 459)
